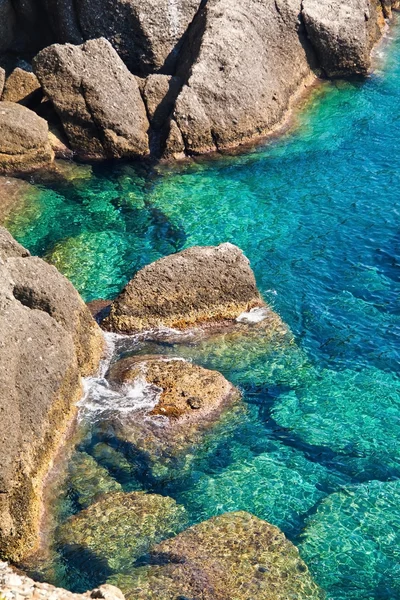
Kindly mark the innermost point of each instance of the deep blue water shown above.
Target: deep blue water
(318, 214)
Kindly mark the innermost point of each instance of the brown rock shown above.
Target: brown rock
(235, 556)
(59, 143)
(182, 402)
(24, 145)
(96, 98)
(244, 63)
(43, 352)
(159, 93)
(146, 35)
(196, 286)
(343, 33)
(22, 86)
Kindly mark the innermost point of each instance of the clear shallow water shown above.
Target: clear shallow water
(317, 213)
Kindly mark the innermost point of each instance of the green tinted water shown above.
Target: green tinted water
(317, 213)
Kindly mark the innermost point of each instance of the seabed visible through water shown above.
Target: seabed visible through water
(317, 212)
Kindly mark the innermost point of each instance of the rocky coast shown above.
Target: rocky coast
(109, 79)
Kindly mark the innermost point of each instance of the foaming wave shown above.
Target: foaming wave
(255, 315)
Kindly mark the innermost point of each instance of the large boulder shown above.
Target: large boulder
(119, 528)
(24, 144)
(96, 97)
(343, 33)
(145, 34)
(199, 285)
(245, 61)
(235, 555)
(43, 353)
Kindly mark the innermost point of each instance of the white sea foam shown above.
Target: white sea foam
(255, 315)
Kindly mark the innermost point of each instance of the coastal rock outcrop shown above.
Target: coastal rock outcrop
(21, 86)
(47, 341)
(146, 35)
(96, 97)
(8, 24)
(119, 528)
(343, 33)
(24, 144)
(237, 90)
(197, 286)
(235, 555)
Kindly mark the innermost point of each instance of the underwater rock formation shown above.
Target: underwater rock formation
(48, 339)
(117, 529)
(183, 401)
(235, 556)
(96, 98)
(24, 144)
(197, 286)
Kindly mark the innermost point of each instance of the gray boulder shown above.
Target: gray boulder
(245, 61)
(43, 353)
(24, 145)
(145, 34)
(196, 286)
(343, 33)
(96, 97)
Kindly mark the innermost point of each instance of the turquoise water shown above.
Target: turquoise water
(318, 215)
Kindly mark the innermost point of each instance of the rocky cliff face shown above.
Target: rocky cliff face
(180, 77)
(47, 341)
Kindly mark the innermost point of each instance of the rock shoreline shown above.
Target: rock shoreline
(116, 79)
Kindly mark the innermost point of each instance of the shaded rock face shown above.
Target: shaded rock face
(24, 145)
(42, 355)
(343, 33)
(236, 89)
(119, 528)
(196, 286)
(146, 35)
(235, 555)
(96, 97)
(8, 24)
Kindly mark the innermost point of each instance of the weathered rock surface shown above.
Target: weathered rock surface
(96, 97)
(2, 80)
(196, 286)
(146, 35)
(119, 528)
(237, 90)
(24, 145)
(47, 340)
(14, 585)
(21, 86)
(235, 556)
(343, 33)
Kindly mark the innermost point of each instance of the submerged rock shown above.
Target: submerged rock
(47, 340)
(96, 98)
(235, 556)
(197, 286)
(353, 540)
(180, 401)
(87, 479)
(117, 529)
(24, 144)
